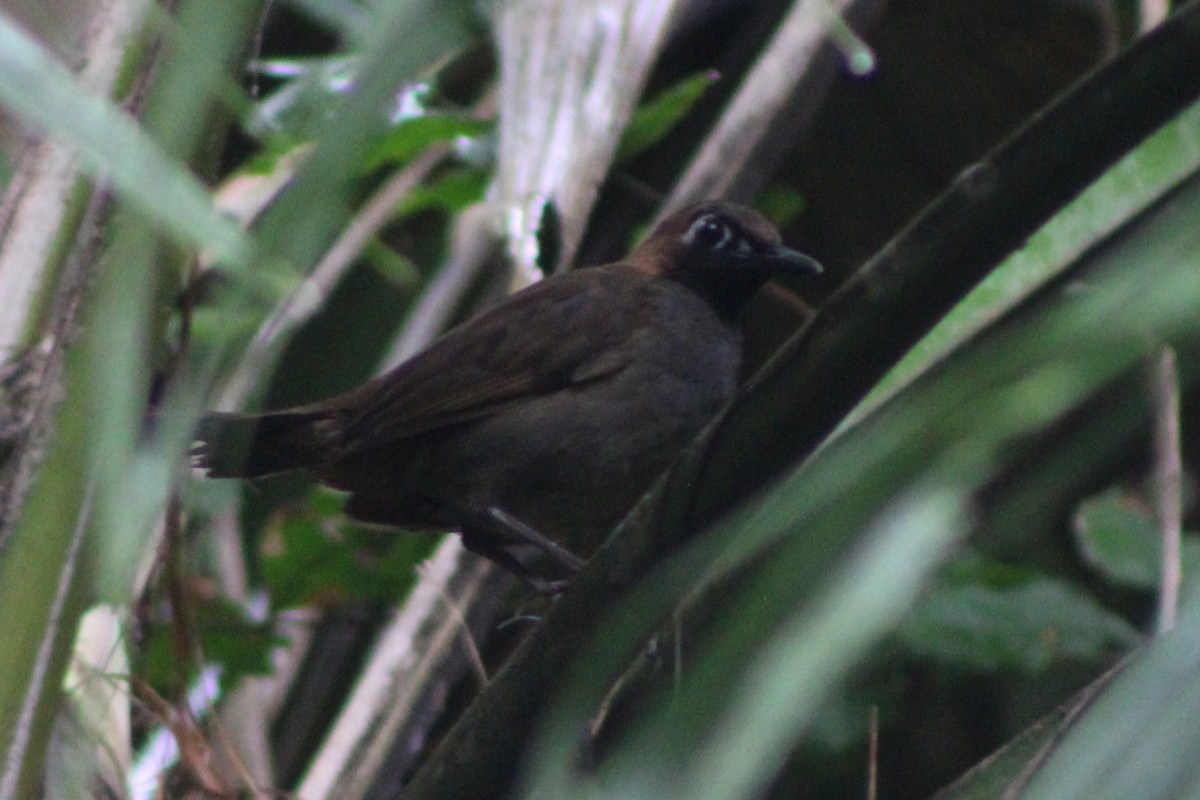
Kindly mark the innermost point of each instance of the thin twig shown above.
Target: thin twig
(234, 758)
(604, 707)
(472, 648)
(1168, 469)
(378, 211)
(185, 648)
(195, 753)
(873, 754)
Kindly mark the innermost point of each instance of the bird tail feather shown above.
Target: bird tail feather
(253, 445)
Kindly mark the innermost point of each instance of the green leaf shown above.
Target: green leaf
(393, 266)
(412, 136)
(312, 554)
(241, 645)
(1029, 625)
(655, 119)
(227, 636)
(453, 192)
(1164, 160)
(782, 204)
(1119, 538)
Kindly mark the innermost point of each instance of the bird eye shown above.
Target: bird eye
(709, 233)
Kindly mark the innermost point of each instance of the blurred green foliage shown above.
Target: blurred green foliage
(843, 581)
(1119, 537)
(311, 555)
(655, 118)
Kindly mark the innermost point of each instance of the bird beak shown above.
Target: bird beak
(781, 260)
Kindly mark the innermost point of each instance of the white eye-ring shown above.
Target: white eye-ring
(711, 233)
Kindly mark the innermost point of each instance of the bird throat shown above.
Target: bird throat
(725, 289)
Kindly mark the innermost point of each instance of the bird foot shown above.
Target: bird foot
(548, 588)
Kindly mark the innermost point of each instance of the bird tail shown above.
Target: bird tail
(252, 445)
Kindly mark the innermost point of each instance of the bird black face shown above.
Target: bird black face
(721, 241)
(727, 252)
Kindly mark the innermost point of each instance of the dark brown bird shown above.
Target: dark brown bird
(542, 421)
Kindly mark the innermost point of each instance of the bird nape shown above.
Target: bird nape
(533, 428)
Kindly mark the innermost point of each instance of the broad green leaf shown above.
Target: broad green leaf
(1031, 626)
(1139, 738)
(1160, 163)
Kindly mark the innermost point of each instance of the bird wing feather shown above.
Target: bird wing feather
(550, 337)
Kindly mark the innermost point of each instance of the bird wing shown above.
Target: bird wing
(559, 333)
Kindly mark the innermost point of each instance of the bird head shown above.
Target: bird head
(723, 251)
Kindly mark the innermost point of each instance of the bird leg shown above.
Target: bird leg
(490, 533)
(486, 545)
(529, 535)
